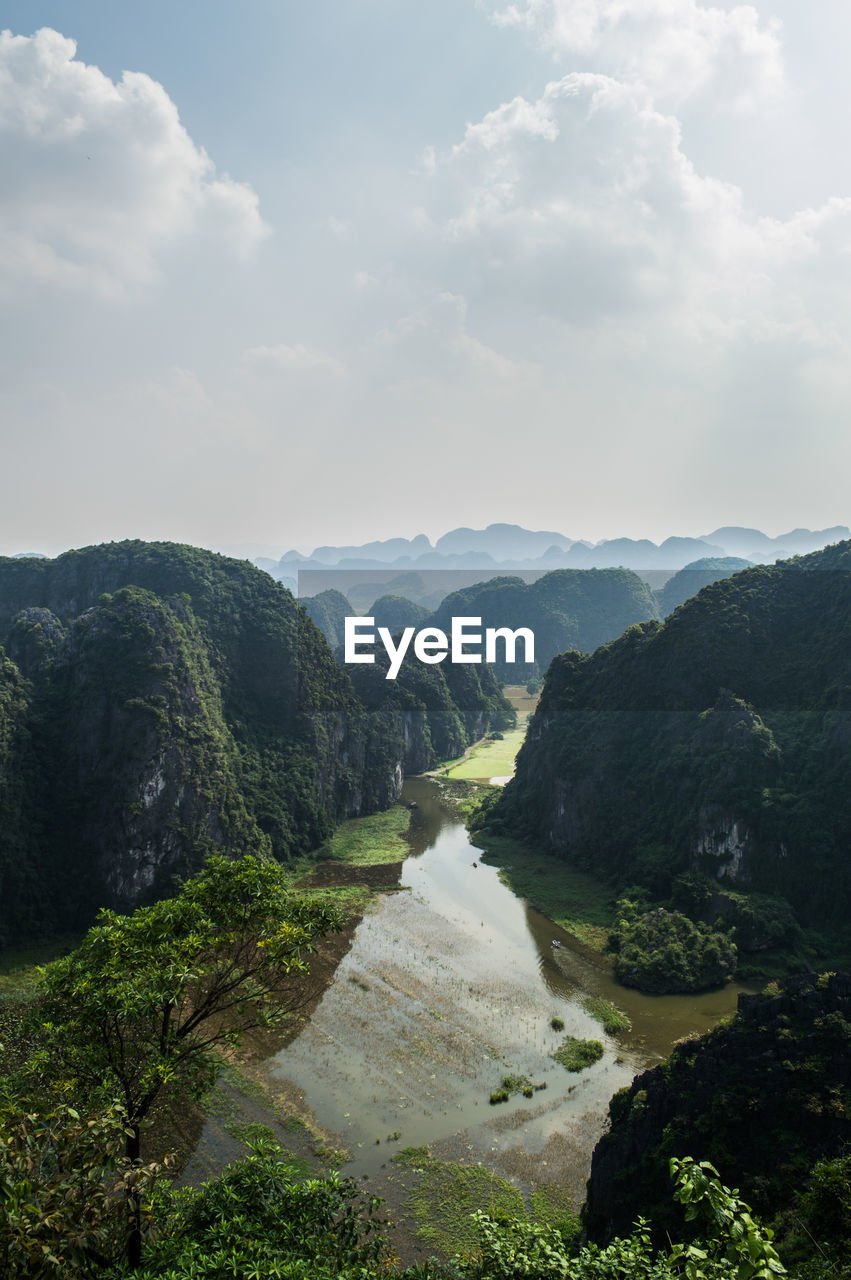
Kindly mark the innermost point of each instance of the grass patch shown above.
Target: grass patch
(249, 1133)
(294, 1124)
(231, 1075)
(577, 902)
(464, 798)
(333, 1157)
(576, 1054)
(415, 1158)
(515, 1084)
(352, 899)
(523, 703)
(446, 1194)
(19, 965)
(369, 841)
(552, 1207)
(492, 759)
(611, 1018)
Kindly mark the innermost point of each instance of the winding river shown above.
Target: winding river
(452, 985)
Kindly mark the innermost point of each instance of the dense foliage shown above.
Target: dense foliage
(821, 1217)
(158, 702)
(663, 951)
(328, 611)
(265, 1218)
(396, 612)
(694, 577)
(137, 1008)
(69, 1197)
(566, 609)
(719, 741)
(764, 1098)
(258, 1220)
(429, 713)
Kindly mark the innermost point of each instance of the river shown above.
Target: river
(448, 986)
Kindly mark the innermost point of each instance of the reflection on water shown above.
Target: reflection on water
(450, 986)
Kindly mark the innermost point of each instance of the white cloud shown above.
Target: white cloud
(583, 206)
(100, 178)
(294, 359)
(431, 348)
(676, 48)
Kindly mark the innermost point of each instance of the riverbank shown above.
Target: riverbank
(363, 859)
(577, 902)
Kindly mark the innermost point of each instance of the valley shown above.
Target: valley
(527, 911)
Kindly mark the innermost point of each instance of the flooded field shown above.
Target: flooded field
(448, 987)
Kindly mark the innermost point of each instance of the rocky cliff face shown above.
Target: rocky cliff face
(144, 777)
(19, 884)
(716, 742)
(763, 1099)
(158, 702)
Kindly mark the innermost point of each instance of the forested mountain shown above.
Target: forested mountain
(395, 613)
(566, 609)
(694, 577)
(719, 741)
(158, 702)
(328, 611)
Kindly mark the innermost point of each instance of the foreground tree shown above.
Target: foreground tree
(142, 1003)
(67, 1194)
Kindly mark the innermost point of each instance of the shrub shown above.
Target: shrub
(663, 951)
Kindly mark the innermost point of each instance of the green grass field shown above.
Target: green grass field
(19, 965)
(493, 759)
(446, 1194)
(523, 703)
(369, 841)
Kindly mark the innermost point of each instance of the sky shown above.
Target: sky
(277, 274)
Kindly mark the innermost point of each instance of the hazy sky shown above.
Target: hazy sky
(286, 273)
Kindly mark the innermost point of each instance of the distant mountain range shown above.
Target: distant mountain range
(502, 547)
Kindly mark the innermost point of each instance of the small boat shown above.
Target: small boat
(556, 942)
(413, 805)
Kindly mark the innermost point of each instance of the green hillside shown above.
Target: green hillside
(566, 609)
(719, 742)
(158, 702)
(694, 577)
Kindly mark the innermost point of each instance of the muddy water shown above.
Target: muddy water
(447, 988)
